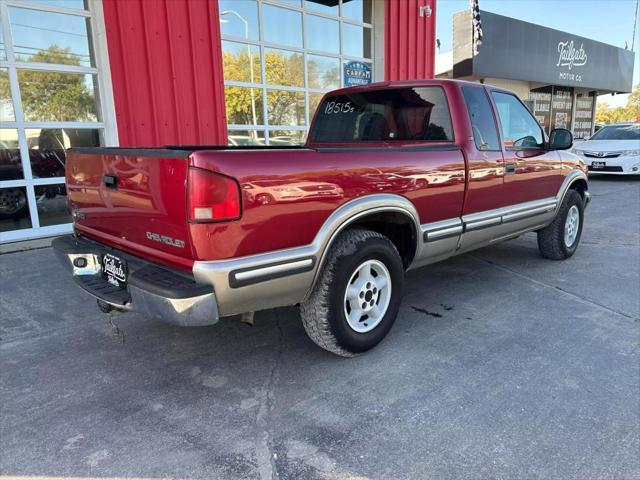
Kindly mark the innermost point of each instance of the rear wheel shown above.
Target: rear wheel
(356, 299)
(560, 239)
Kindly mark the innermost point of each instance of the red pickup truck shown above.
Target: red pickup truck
(393, 176)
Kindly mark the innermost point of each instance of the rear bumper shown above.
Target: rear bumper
(157, 291)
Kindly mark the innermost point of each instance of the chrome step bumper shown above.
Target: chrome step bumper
(157, 291)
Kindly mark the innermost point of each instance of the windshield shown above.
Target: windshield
(618, 132)
(385, 115)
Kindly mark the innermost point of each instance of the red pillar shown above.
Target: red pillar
(409, 40)
(166, 69)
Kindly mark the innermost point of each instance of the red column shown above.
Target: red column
(409, 40)
(166, 68)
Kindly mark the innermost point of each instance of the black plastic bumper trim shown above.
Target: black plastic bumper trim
(143, 274)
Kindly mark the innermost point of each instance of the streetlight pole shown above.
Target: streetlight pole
(251, 78)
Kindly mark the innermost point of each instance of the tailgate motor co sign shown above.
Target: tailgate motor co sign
(520, 50)
(570, 57)
(356, 73)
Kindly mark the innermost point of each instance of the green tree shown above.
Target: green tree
(633, 102)
(6, 107)
(56, 96)
(283, 107)
(631, 111)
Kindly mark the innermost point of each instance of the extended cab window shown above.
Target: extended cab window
(386, 115)
(519, 128)
(483, 123)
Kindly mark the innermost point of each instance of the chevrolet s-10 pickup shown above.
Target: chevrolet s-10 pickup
(393, 176)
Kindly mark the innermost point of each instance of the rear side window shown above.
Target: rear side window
(386, 115)
(519, 128)
(483, 123)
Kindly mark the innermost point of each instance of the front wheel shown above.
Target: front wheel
(560, 239)
(356, 299)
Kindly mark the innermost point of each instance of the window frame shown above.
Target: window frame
(105, 124)
(511, 148)
(265, 127)
(496, 121)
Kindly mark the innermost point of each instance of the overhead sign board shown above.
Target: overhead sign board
(519, 50)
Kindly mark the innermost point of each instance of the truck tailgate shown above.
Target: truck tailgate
(135, 198)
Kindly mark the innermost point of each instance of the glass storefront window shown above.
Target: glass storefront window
(10, 163)
(328, 8)
(243, 105)
(3, 53)
(314, 101)
(47, 37)
(47, 148)
(239, 18)
(358, 10)
(78, 4)
(241, 62)
(287, 137)
(6, 104)
(51, 201)
(285, 107)
(284, 68)
(289, 3)
(14, 209)
(322, 34)
(57, 96)
(356, 40)
(282, 26)
(298, 49)
(323, 72)
(49, 102)
(245, 138)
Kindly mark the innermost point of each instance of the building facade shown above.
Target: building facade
(559, 75)
(158, 72)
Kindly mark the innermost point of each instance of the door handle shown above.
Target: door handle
(510, 168)
(110, 181)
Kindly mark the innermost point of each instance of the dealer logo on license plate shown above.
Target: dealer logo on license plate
(598, 164)
(115, 269)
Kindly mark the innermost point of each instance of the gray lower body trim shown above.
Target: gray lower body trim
(250, 275)
(440, 230)
(450, 237)
(491, 218)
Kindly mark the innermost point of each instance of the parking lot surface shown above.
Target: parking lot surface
(501, 364)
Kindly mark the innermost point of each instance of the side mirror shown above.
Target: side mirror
(560, 139)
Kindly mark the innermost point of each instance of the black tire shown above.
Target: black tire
(13, 204)
(323, 312)
(551, 239)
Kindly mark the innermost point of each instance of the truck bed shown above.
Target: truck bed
(286, 193)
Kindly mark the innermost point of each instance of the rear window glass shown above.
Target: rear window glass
(386, 115)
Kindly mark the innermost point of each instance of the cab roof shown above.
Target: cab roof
(404, 84)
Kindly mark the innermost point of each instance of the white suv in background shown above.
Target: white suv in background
(614, 149)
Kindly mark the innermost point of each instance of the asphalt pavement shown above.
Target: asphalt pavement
(501, 365)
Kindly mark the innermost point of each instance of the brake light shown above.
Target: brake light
(212, 197)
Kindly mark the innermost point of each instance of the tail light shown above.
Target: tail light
(212, 197)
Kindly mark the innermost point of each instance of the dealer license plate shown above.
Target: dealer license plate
(115, 269)
(596, 165)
